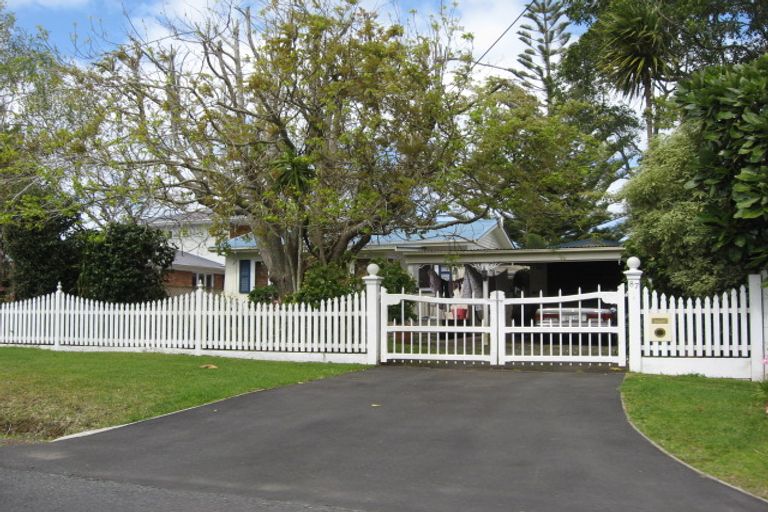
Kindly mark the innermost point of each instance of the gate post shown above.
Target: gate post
(373, 313)
(199, 318)
(57, 320)
(498, 340)
(756, 340)
(634, 314)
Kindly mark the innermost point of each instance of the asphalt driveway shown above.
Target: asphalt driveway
(387, 439)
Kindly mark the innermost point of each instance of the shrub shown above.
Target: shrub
(125, 263)
(397, 280)
(264, 294)
(42, 254)
(323, 282)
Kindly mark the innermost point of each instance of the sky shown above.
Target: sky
(77, 20)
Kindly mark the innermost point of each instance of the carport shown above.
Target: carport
(586, 264)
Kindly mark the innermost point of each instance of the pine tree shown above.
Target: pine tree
(546, 38)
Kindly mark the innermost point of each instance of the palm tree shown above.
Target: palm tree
(638, 50)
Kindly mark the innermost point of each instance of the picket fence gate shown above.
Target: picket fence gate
(501, 331)
(721, 336)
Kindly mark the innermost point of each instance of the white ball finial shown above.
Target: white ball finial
(633, 262)
(58, 287)
(372, 269)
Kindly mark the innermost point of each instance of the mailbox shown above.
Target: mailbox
(658, 327)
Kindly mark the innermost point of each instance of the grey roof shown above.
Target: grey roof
(184, 259)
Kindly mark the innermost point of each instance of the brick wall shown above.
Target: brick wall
(181, 281)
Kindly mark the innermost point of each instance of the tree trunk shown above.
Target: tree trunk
(648, 114)
(282, 261)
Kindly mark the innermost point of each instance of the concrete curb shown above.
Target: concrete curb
(680, 461)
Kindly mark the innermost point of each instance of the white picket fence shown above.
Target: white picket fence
(198, 322)
(719, 336)
(722, 336)
(713, 327)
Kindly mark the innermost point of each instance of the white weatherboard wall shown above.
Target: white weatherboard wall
(720, 336)
(197, 323)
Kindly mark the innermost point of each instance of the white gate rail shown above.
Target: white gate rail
(582, 328)
(501, 330)
(416, 327)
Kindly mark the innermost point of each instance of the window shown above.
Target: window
(207, 280)
(245, 276)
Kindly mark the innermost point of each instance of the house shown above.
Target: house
(194, 261)
(442, 259)
(188, 270)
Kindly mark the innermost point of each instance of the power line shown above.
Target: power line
(486, 52)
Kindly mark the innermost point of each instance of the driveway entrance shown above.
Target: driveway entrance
(388, 439)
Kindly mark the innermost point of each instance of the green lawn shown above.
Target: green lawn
(46, 394)
(716, 425)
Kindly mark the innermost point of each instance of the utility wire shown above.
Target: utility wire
(486, 52)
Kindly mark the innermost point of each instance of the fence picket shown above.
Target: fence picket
(707, 327)
(698, 338)
(743, 322)
(735, 331)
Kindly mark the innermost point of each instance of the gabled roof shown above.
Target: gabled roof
(185, 260)
(458, 233)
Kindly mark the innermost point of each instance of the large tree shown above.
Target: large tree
(312, 120)
(645, 48)
(30, 75)
(546, 37)
(545, 174)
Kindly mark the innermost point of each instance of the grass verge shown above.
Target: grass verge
(46, 394)
(715, 425)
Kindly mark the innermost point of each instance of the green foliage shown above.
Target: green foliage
(397, 280)
(546, 40)
(31, 115)
(125, 263)
(730, 108)
(331, 125)
(263, 294)
(637, 50)
(649, 46)
(707, 32)
(664, 230)
(543, 172)
(323, 282)
(42, 254)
